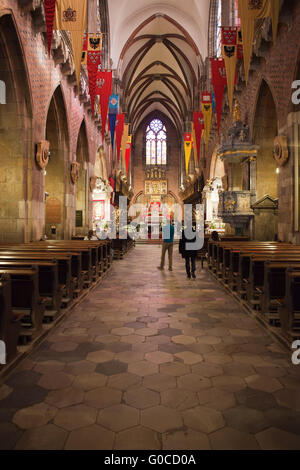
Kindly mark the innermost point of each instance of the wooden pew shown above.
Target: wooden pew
(64, 264)
(289, 308)
(9, 324)
(25, 300)
(275, 285)
(49, 288)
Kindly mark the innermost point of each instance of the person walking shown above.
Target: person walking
(168, 241)
(188, 255)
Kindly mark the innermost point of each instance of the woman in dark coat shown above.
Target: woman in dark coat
(188, 255)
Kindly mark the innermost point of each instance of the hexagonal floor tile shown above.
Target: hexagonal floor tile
(276, 439)
(74, 417)
(100, 356)
(143, 439)
(174, 368)
(161, 418)
(65, 397)
(141, 398)
(118, 417)
(231, 439)
(185, 440)
(55, 381)
(189, 357)
(182, 339)
(90, 381)
(159, 357)
(179, 399)
(245, 419)
(216, 399)
(193, 382)
(93, 437)
(47, 437)
(103, 397)
(203, 419)
(265, 384)
(143, 368)
(111, 367)
(159, 382)
(124, 381)
(34, 416)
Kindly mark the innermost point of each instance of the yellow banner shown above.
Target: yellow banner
(249, 11)
(187, 152)
(71, 15)
(230, 59)
(207, 115)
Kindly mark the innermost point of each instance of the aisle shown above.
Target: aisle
(151, 360)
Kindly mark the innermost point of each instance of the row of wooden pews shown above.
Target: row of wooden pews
(39, 280)
(264, 276)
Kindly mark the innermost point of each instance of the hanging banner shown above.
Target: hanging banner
(112, 125)
(187, 150)
(229, 48)
(206, 105)
(128, 152)
(71, 15)
(112, 116)
(49, 6)
(94, 45)
(114, 104)
(198, 126)
(249, 11)
(119, 132)
(124, 142)
(103, 89)
(219, 81)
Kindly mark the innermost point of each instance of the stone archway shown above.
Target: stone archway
(264, 131)
(82, 190)
(57, 172)
(16, 147)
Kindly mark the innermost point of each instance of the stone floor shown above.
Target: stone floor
(152, 360)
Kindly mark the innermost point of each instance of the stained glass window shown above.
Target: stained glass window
(156, 143)
(218, 30)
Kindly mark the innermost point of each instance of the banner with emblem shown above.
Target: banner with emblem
(249, 11)
(206, 106)
(119, 132)
(229, 48)
(187, 150)
(49, 6)
(112, 116)
(94, 45)
(71, 15)
(198, 121)
(219, 81)
(103, 89)
(128, 152)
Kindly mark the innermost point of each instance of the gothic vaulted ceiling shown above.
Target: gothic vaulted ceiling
(158, 49)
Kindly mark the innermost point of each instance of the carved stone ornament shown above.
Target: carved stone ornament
(75, 167)
(42, 154)
(281, 151)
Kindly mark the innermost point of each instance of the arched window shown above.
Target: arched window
(156, 143)
(215, 21)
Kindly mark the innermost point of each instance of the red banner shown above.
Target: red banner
(219, 81)
(104, 89)
(198, 126)
(229, 35)
(93, 61)
(119, 132)
(49, 14)
(128, 152)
